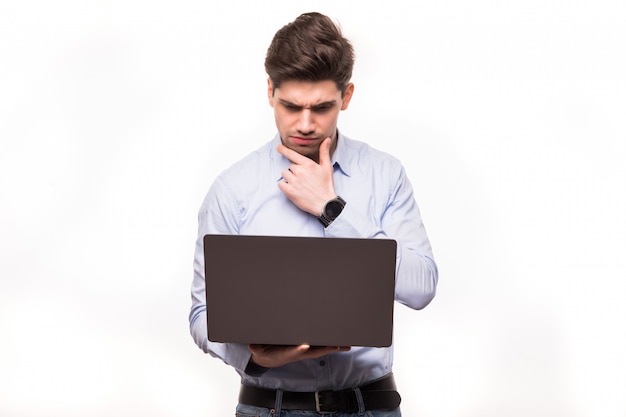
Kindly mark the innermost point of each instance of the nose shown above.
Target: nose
(306, 123)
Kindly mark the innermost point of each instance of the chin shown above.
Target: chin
(307, 151)
(311, 155)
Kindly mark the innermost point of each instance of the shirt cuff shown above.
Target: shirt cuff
(253, 369)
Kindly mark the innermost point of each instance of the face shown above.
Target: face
(306, 113)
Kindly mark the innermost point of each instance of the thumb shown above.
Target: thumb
(325, 152)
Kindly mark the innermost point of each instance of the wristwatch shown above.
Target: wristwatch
(332, 209)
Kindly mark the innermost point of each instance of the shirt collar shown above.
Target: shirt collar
(340, 159)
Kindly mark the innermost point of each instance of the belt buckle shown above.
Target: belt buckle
(319, 405)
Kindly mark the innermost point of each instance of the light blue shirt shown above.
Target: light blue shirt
(245, 199)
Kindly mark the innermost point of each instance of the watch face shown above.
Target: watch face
(333, 209)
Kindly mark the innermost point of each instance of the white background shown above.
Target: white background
(509, 116)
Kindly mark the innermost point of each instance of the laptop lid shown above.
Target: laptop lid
(300, 290)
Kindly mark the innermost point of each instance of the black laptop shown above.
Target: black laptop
(300, 290)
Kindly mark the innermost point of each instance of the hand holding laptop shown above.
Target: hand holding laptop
(273, 356)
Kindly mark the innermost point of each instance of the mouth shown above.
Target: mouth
(304, 140)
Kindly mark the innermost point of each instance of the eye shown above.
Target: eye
(291, 107)
(322, 108)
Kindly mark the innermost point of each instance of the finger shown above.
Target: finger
(325, 152)
(298, 352)
(292, 155)
(288, 175)
(318, 351)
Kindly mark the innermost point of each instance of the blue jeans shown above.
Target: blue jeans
(244, 410)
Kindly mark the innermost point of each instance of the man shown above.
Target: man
(311, 180)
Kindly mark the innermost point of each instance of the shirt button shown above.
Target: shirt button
(322, 363)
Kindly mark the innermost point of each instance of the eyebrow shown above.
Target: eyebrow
(320, 106)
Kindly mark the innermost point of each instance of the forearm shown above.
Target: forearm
(416, 270)
(416, 278)
(234, 354)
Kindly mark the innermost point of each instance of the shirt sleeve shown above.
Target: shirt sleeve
(215, 216)
(399, 218)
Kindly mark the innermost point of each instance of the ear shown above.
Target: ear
(347, 96)
(270, 92)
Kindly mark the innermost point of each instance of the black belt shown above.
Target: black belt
(377, 395)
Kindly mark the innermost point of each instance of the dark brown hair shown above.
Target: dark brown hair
(311, 48)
